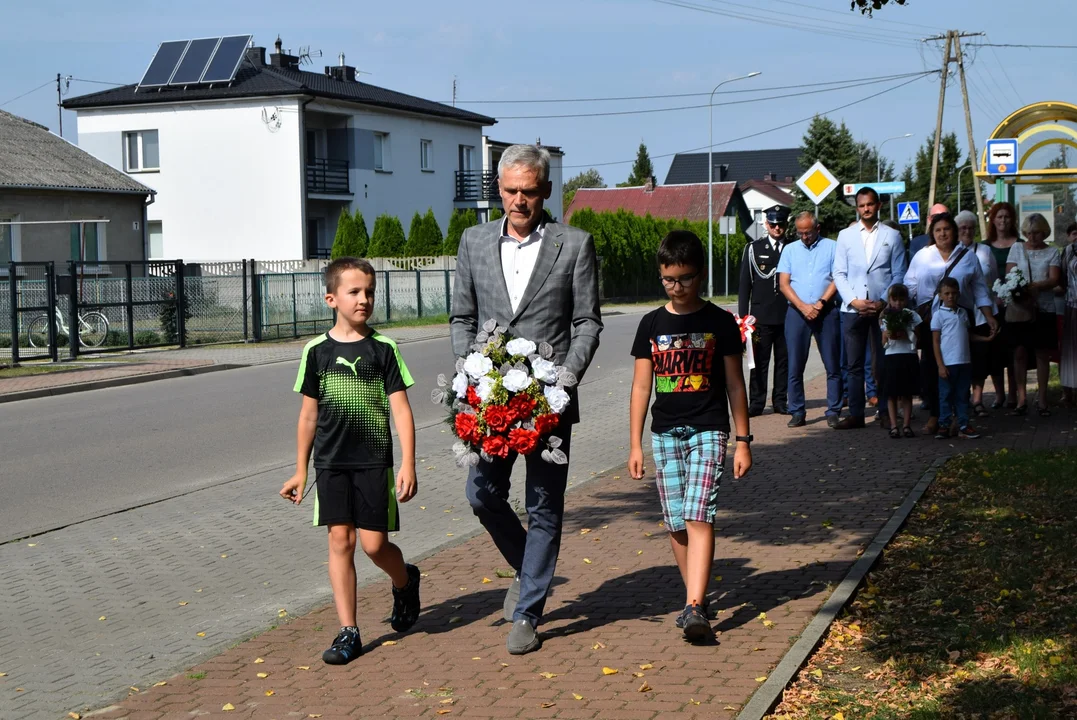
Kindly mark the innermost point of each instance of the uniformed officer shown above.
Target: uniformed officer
(760, 296)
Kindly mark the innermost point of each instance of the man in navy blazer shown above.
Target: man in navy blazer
(870, 257)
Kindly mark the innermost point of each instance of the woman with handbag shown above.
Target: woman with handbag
(1031, 326)
(1001, 236)
(1067, 368)
(945, 257)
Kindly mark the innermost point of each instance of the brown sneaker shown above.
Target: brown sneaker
(850, 422)
(932, 426)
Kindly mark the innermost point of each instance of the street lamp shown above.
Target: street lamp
(879, 165)
(710, 190)
(967, 167)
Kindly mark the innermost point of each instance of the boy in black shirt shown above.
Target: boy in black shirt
(350, 377)
(692, 349)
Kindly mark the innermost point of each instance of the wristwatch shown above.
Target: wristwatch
(745, 438)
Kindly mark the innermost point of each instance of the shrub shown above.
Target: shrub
(344, 240)
(169, 318)
(388, 237)
(460, 221)
(424, 236)
(496, 214)
(147, 337)
(362, 238)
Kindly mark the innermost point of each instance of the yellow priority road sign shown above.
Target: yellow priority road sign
(817, 183)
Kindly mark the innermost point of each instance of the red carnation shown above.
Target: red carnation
(523, 441)
(522, 406)
(496, 446)
(546, 424)
(467, 427)
(498, 418)
(472, 397)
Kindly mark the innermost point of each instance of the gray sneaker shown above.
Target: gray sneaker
(512, 598)
(522, 638)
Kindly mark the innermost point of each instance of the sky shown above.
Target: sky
(520, 53)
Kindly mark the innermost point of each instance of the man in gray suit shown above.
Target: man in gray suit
(538, 279)
(870, 257)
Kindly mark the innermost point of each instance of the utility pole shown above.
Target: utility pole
(972, 143)
(938, 120)
(59, 105)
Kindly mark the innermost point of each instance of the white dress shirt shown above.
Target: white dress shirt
(518, 261)
(868, 237)
(927, 268)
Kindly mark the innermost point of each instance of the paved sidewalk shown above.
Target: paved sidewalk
(788, 532)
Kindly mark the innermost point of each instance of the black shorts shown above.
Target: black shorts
(363, 497)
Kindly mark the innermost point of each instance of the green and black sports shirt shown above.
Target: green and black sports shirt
(352, 382)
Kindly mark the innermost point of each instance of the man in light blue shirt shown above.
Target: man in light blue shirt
(804, 277)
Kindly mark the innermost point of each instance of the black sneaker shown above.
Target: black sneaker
(696, 625)
(406, 602)
(707, 613)
(345, 648)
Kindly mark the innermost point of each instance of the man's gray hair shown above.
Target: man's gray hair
(808, 215)
(966, 217)
(529, 156)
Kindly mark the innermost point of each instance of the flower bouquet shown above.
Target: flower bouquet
(507, 396)
(1012, 289)
(896, 322)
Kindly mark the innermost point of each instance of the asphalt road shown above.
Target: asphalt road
(71, 458)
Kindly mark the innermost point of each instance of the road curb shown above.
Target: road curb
(770, 692)
(116, 382)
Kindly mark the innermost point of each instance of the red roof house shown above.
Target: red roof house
(687, 202)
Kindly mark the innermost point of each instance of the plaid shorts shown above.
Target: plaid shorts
(689, 466)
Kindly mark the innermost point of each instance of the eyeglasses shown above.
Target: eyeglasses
(669, 282)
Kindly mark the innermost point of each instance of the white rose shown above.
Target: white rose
(459, 384)
(516, 380)
(544, 370)
(520, 346)
(485, 387)
(478, 365)
(557, 398)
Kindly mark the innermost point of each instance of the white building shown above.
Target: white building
(261, 166)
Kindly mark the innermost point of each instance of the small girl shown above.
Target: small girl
(901, 367)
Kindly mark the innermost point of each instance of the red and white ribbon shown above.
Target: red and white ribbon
(747, 329)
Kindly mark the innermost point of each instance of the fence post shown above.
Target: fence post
(448, 293)
(295, 312)
(388, 297)
(13, 299)
(129, 308)
(245, 296)
(256, 304)
(50, 290)
(419, 293)
(73, 311)
(181, 304)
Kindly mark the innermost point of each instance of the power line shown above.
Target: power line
(28, 92)
(853, 26)
(761, 132)
(99, 82)
(1028, 47)
(1005, 74)
(897, 76)
(690, 107)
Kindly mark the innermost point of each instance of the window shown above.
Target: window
(9, 244)
(143, 151)
(381, 152)
(91, 246)
(157, 239)
(467, 156)
(426, 155)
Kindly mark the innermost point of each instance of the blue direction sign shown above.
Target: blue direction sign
(908, 213)
(1002, 156)
(883, 188)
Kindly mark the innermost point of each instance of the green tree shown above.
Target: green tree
(424, 236)
(433, 232)
(917, 177)
(388, 238)
(362, 238)
(1065, 204)
(345, 240)
(496, 214)
(460, 221)
(587, 179)
(642, 169)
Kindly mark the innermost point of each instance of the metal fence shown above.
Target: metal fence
(77, 308)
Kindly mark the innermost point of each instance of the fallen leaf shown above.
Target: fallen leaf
(228, 706)
(817, 673)
(639, 552)
(548, 675)
(198, 590)
(270, 693)
(1055, 660)
(224, 556)
(183, 602)
(838, 716)
(505, 573)
(547, 705)
(609, 671)
(693, 701)
(585, 531)
(444, 711)
(504, 664)
(448, 701)
(598, 646)
(263, 675)
(201, 634)
(768, 624)
(448, 534)
(577, 696)
(314, 715)
(134, 689)
(422, 507)
(476, 658)
(854, 669)
(486, 580)
(3, 674)
(637, 674)
(648, 666)
(258, 661)
(389, 642)
(74, 716)
(644, 687)
(717, 578)
(454, 620)
(587, 561)
(302, 667)
(160, 684)
(101, 618)
(761, 678)
(31, 545)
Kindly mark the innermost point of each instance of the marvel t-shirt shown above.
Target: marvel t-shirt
(352, 382)
(688, 353)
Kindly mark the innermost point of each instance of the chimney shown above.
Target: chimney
(257, 56)
(280, 60)
(649, 185)
(342, 58)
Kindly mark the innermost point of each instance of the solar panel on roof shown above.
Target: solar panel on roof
(222, 67)
(164, 63)
(194, 61)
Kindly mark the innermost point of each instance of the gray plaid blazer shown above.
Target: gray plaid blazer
(559, 306)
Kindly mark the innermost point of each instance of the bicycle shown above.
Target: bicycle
(93, 329)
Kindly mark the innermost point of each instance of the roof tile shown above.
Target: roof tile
(664, 201)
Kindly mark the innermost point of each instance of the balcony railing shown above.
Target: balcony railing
(328, 176)
(476, 185)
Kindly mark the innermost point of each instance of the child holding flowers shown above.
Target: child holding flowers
(901, 367)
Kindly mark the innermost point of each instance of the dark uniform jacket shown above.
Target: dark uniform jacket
(759, 293)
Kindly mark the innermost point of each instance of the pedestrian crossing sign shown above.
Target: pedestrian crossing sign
(908, 213)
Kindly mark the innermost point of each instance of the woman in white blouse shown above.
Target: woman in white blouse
(1067, 368)
(1035, 339)
(967, 225)
(944, 257)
